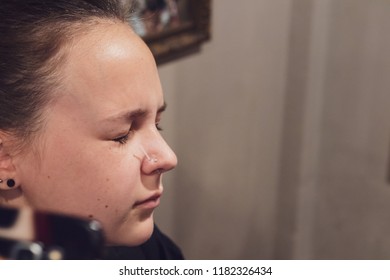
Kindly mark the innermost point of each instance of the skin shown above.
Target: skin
(95, 156)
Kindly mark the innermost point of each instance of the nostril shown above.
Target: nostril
(159, 171)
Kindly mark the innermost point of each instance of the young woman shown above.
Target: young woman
(80, 106)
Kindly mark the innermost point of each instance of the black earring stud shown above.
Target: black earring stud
(11, 183)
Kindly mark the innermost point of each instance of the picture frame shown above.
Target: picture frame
(181, 38)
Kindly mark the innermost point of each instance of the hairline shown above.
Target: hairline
(54, 81)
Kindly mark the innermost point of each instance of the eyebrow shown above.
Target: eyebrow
(132, 115)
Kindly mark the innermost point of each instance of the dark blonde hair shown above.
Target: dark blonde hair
(34, 34)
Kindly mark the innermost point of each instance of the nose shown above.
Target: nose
(158, 157)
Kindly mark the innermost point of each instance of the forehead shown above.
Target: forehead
(110, 63)
(107, 45)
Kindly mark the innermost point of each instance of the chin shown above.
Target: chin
(133, 235)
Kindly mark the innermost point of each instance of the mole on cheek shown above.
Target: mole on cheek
(90, 216)
(106, 206)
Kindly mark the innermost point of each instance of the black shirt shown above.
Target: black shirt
(158, 247)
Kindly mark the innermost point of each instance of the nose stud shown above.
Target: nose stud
(152, 159)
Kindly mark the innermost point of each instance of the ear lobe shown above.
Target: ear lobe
(10, 183)
(7, 169)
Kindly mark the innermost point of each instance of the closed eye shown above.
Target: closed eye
(123, 139)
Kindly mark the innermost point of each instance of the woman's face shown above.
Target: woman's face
(100, 154)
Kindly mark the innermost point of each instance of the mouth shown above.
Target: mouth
(149, 203)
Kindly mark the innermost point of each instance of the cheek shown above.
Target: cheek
(83, 180)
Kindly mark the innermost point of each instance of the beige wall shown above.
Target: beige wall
(352, 210)
(280, 125)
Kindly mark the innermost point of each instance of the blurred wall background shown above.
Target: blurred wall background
(281, 127)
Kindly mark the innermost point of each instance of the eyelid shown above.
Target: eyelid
(135, 121)
(124, 137)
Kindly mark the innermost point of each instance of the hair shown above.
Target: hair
(34, 36)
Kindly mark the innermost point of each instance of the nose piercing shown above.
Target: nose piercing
(147, 156)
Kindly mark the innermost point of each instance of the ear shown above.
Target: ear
(7, 169)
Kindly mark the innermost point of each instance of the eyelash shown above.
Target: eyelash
(158, 126)
(123, 139)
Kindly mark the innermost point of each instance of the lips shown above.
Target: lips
(150, 202)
